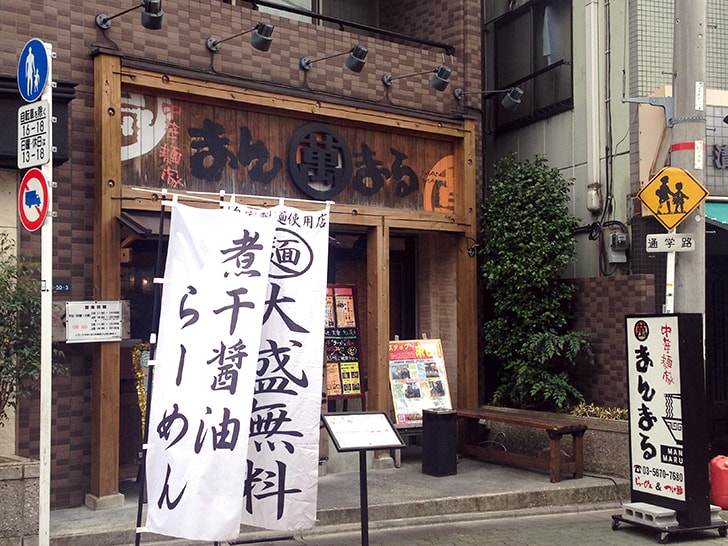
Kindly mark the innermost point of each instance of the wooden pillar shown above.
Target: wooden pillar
(107, 283)
(377, 343)
(467, 279)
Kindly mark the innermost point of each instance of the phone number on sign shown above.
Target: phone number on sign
(658, 472)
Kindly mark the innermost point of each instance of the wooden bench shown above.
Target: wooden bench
(555, 427)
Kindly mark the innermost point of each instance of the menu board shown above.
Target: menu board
(418, 379)
(362, 431)
(341, 344)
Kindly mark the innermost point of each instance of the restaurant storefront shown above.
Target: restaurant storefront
(403, 216)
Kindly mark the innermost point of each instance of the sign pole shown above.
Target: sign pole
(35, 196)
(688, 148)
(46, 387)
(670, 282)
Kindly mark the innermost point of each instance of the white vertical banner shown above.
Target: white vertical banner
(212, 310)
(282, 467)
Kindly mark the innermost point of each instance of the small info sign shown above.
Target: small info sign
(670, 242)
(34, 134)
(90, 321)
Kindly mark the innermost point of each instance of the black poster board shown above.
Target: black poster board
(344, 370)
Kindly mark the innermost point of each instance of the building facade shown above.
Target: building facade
(194, 108)
(589, 71)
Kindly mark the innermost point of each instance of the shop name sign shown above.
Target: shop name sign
(197, 148)
(667, 409)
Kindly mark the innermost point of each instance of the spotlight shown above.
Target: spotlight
(355, 61)
(510, 100)
(260, 40)
(439, 80)
(151, 16)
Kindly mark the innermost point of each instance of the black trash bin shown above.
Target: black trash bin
(439, 442)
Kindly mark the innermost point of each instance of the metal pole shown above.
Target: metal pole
(670, 282)
(363, 496)
(688, 143)
(46, 330)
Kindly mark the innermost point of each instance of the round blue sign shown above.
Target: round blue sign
(32, 70)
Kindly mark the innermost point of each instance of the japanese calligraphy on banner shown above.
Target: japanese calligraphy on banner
(212, 310)
(237, 384)
(418, 379)
(282, 467)
(655, 406)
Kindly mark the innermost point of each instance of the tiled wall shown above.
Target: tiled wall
(651, 45)
(602, 304)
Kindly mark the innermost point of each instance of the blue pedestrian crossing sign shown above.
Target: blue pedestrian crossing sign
(32, 70)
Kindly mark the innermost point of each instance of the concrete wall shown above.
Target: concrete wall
(19, 480)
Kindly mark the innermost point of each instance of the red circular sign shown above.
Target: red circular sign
(33, 199)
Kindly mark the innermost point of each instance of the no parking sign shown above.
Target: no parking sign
(33, 200)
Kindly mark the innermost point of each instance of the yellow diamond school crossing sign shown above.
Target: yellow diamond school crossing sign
(671, 195)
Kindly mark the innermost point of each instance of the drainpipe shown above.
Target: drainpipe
(593, 128)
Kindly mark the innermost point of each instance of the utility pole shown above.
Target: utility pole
(688, 143)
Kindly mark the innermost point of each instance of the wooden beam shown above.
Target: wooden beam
(107, 272)
(221, 92)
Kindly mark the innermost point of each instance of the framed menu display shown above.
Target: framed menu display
(418, 379)
(343, 367)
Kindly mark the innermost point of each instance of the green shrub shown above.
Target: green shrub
(527, 241)
(590, 410)
(20, 327)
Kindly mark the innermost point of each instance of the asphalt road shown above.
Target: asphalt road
(583, 528)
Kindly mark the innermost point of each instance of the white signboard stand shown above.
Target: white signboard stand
(362, 431)
(669, 450)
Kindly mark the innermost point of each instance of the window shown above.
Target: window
(533, 50)
(365, 12)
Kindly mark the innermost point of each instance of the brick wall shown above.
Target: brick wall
(601, 305)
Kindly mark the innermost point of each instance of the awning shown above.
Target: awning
(716, 213)
(144, 223)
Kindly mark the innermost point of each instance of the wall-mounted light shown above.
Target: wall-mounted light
(260, 40)
(152, 15)
(355, 60)
(510, 100)
(439, 80)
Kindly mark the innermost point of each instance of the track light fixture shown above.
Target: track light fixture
(355, 60)
(510, 101)
(439, 80)
(151, 16)
(260, 40)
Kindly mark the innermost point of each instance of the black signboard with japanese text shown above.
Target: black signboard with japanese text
(342, 350)
(669, 452)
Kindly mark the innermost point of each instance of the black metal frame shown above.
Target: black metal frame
(343, 23)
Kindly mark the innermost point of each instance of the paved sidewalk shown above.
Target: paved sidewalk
(396, 496)
(589, 525)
